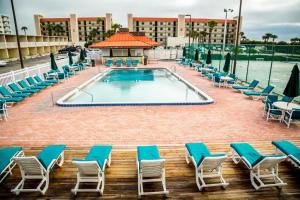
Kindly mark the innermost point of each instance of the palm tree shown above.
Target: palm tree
(264, 37)
(58, 29)
(115, 27)
(93, 34)
(211, 25)
(194, 35)
(24, 28)
(203, 35)
(243, 37)
(295, 40)
(49, 27)
(274, 37)
(268, 36)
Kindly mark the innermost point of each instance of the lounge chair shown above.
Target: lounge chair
(68, 72)
(6, 160)
(6, 93)
(260, 166)
(15, 88)
(128, 62)
(150, 168)
(251, 86)
(11, 99)
(109, 63)
(3, 112)
(119, 62)
(290, 116)
(258, 95)
(39, 80)
(92, 168)
(206, 165)
(271, 111)
(290, 150)
(135, 62)
(32, 83)
(41, 83)
(25, 86)
(39, 167)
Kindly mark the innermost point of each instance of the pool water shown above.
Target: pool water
(137, 86)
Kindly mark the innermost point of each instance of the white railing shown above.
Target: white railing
(164, 53)
(30, 71)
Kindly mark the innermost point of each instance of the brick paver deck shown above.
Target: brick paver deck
(233, 117)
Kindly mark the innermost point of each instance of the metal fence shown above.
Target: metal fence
(269, 64)
(39, 69)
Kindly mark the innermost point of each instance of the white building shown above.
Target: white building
(4, 25)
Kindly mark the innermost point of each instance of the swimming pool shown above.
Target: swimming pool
(139, 86)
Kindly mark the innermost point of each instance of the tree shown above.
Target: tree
(24, 28)
(268, 36)
(211, 25)
(93, 34)
(243, 37)
(203, 35)
(295, 40)
(115, 27)
(274, 37)
(264, 37)
(194, 35)
(49, 27)
(58, 29)
(112, 31)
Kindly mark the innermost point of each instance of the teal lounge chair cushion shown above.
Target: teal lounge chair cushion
(49, 153)
(288, 148)
(252, 93)
(6, 154)
(199, 151)
(4, 92)
(38, 79)
(148, 153)
(247, 151)
(12, 99)
(239, 87)
(99, 154)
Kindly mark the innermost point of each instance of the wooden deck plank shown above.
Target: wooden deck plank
(121, 179)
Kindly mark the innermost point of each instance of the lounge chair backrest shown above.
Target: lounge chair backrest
(4, 91)
(152, 168)
(87, 167)
(14, 87)
(38, 79)
(271, 98)
(30, 165)
(30, 80)
(296, 114)
(212, 162)
(270, 162)
(23, 84)
(286, 99)
(268, 89)
(253, 84)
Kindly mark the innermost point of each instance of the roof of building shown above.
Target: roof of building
(162, 19)
(89, 18)
(169, 19)
(205, 20)
(55, 19)
(125, 40)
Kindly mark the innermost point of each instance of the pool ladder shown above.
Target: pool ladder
(91, 95)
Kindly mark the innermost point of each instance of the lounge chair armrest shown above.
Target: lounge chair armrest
(51, 165)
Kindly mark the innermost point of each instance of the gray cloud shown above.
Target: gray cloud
(259, 16)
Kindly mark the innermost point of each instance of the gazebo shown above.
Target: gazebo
(124, 45)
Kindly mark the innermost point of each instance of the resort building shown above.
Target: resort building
(159, 29)
(76, 29)
(31, 46)
(4, 25)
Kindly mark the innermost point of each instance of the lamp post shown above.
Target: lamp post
(225, 29)
(237, 37)
(17, 33)
(190, 30)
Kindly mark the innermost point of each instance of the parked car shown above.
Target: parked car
(67, 49)
(2, 63)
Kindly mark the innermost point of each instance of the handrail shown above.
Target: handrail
(91, 95)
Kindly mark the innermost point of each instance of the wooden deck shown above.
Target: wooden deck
(121, 180)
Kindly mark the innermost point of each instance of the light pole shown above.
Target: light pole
(190, 25)
(17, 33)
(237, 37)
(225, 29)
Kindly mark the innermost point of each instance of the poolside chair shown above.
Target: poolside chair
(290, 150)
(38, 79)
(32, 83)
(39, 167)
(41, 83)
(6, 93)
(291, 116)
(119, 62)
(272, 112)
(11, 99)
(135, 62)
(251, 86)
(59, 75)
(109, 63)
(92, 168)
(3, 112)
(128, 62)
(150, 168)
(260, 166)
(67, 71)
(258, 95)
(25, 86)
(6, 160)
(15, 88)
(206, 165)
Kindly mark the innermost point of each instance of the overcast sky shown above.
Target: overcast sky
(280, 17)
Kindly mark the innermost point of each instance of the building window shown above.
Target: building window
(150, 23)
(169, 29)
(161, 39)
(143, 23)
(169, 23)
(142, 28)
(161, 34)
(150, 28)
(161, 28)
(215, 40)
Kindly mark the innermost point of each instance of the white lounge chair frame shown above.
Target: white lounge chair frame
(271, 116)
(31, 168)
(292, 159)
(269, 165)
(8, 169)
(288, 120)
(210, 167)
(90, 172)
(151, 171)
(4, 115)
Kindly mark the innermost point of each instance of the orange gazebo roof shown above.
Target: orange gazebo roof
(125, 40)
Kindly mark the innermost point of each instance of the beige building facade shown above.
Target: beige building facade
(4, 25)
(159, 29)
(76, 29)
